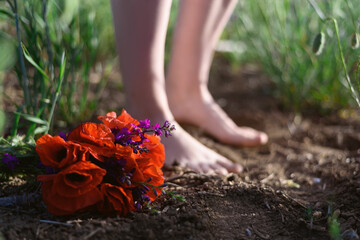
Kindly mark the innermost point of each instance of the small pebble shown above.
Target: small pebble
(317, 214)
(248, 232)
(309, 156)
(350, 234)
(336, 213)
(316, 180)
(318, 205)
(267, 205)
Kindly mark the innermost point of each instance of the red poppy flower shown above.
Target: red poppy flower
(125, 152)
(142, 170)
(144, 166)
(55, 152)
(124, 120)
(82, 185)
(156, 150)
(116, 200)
(96, 137)
(149, 171)
(72, 189)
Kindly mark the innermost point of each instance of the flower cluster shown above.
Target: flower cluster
(10, 160)
(113, 167)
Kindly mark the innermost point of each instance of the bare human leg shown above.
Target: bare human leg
(198, 28)
(140, 29)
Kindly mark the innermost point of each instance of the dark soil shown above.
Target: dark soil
(307, 174)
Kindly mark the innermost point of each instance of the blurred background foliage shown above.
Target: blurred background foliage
(7, 59)
(41, 35)
(275, 35)
(279, 36)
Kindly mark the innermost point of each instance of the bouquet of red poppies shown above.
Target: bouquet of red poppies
(114, 167)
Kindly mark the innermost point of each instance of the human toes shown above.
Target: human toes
(213, 169)
(221, 170)
(263, 137)
(195, 167)
(251, 137)
(230, 166)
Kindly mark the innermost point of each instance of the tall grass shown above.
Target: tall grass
(80, 33)
(279, 36)
(44, 32)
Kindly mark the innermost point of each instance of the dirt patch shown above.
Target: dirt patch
(290, 187)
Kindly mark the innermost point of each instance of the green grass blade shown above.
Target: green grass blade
(32, 118)
(317, 10)
(16, 122)
(6, 13)
(58, 89)
(32, 62)
(62, 72)
(42, 129)
(32, 129)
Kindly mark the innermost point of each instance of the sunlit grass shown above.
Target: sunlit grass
(42, 34)
(279, 36)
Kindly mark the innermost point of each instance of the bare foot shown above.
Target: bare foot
(188, 152)
(201, 110)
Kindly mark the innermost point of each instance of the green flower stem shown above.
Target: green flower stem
(149, 184)
(333, 20)
(57, 93)
(16, 122)
(343, 61)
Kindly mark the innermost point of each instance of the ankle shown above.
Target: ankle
(182, 95)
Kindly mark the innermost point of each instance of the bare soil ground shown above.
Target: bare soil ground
(290, 187)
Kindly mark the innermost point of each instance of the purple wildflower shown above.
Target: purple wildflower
(168, 128)
(121, 135)
(146, 127)
(62, 135)
(157, 129)
(140, 196)
(144, 123)
(10, 161)
(48, 170)
(138, 206)
(125, 136)
(145, 198)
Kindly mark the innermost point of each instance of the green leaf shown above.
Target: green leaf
(32, 62)
(16, 121)
(7, 13)
(62, 71)
(41, 129)
(32, 118)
